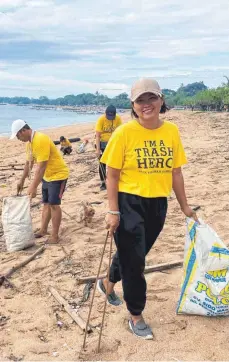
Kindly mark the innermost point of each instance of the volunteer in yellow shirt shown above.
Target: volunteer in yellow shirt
(51, 170)
(65, 146)
(144, 159)
(104, 128)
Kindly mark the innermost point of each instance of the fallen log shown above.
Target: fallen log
(148, 269)
(75, 316)
(20, 265)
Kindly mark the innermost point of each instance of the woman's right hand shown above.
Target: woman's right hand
(112, 223)
(98, 153)
(20, 186)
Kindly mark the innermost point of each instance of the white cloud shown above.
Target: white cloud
(50, 83)
(9, 4)
(69, 46)
(40, 3)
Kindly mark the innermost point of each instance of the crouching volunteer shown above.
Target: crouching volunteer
(51, 170)
(144, 159)
(65, 145)
(104, 128)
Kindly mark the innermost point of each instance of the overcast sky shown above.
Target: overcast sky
(59, 47)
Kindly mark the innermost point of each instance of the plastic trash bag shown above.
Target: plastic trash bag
(17, 223)
(205, 286)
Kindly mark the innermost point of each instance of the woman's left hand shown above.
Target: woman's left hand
(189, 212)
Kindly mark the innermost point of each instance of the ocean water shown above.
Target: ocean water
(40, 118)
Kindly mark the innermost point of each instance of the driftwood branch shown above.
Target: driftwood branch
(75, 316)
(20, 265)
(39, 203)
(148, 269)
(11, 169)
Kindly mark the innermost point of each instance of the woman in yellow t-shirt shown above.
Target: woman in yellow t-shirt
(105, 126)
(144, 159)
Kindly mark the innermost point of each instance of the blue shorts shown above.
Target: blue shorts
(52, 191)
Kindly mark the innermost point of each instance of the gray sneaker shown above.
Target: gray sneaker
(112, 298)
(141, 329)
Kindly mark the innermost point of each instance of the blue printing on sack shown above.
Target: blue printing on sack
(191, 262)
(218, 250)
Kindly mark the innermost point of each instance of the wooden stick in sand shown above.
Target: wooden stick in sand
(148, 269)
(11, 169)
(20, 265)
(75, 316)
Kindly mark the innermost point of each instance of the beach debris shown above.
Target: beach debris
(73, 314)
(148, 269)
(12, 357)
(36, 204)
(8, 284)
(3, 320)
(41, 336)
(5, 277)
(85, 213)
(1, 231)
(11, 168)
(86, 293)
(82, 146)
(60, 324)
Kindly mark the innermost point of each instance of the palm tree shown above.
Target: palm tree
(226, 84)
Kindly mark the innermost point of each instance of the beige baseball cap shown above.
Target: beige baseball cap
(145, 85)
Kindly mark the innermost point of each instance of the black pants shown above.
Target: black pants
(142, 220)
(66, 150)
(102, 169)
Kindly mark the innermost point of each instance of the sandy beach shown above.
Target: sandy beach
(29, 314)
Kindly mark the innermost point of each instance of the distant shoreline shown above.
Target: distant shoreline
(88, 109)
(85, 121)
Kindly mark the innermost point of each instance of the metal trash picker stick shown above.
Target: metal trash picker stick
(102, 171)
(93, 295)
(105, 302)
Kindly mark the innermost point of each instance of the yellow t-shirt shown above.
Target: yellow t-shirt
(42, 149)
(65, 143)
(145, 157)
(107, 127)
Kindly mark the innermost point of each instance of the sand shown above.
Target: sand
(31, 331)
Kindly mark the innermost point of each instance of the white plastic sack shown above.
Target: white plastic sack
(205, 287)
(17, 223)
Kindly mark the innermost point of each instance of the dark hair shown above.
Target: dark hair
(164, 108)
(62, 138)
(25, 127)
